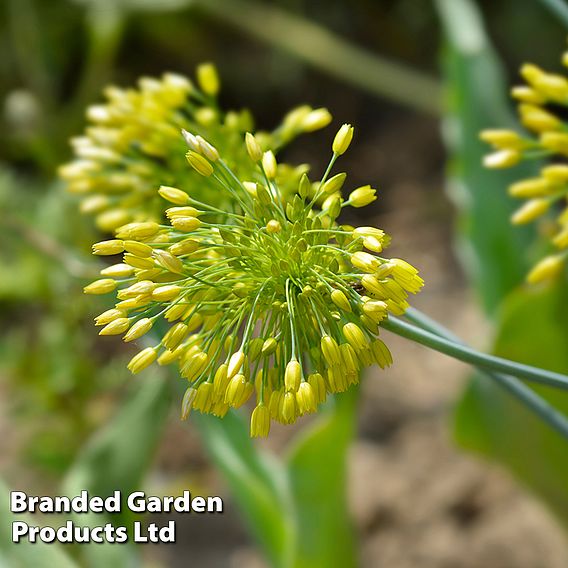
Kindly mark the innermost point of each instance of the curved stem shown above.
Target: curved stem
(468, 355)
(524, 394)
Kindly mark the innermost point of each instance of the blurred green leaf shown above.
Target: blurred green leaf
(257, 483)
(25, 554)
(117, 458)
(492, 251)
(490, 422)
(317, 472)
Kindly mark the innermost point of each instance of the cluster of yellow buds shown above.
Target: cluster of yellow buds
(132, 145)
(540, 101)
(271, 300)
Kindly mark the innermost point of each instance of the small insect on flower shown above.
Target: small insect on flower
(272, 300)
(539, 101)
(133, 138)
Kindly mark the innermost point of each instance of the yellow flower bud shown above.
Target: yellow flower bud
(115, 246)
(269, 164)
(330, 351)
(537, 119)
(169, 261)
(118, 271)
(137, 289)
(220, 381)
(187, 246)
(203, 398)
(238, 391)
(138, 249)
(141, 327)
(200, 164)
(547, 269)
(502, 159)
(187, 402)
(530, 211)
(260, 422)
(185, 224)
(103, 286)
(293, 375)
(365, 261)
(138, 262)
(175, 335)
(137, 231)
(142, 360)
(555, 173)
(561, 239)
(255, 348)
(194, 365)
(342, 139)
(527, 95)
(355, 336)
(208, 150)
(253, 147)
(208, 79)
(235, 363)
(333, 184)
(108, 316)
(340, 300)
(306, 399)
(503, 139)
(362, 196)
(375, 309)
(317, 383)
(288, 411)
(269, 347)
(534, 187)
(273, 226)
(315, 120)
(175, 312)
(381, 354)
(166, 293)
(174, 195)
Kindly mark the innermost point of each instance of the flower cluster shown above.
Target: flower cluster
(132, 145)
(542, 104)
(272, 299)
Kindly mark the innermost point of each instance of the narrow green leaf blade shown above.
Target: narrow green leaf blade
(490, 422)
(317, 471)
(257, 483)
(492, 251)
(25, 554)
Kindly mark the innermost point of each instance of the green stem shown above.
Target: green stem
(525, 395)
(475, 358)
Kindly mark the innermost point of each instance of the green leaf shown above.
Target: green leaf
(25, 554)
(317, 474)
(117, 458)
(492, 251)
(258, 484)
(490, 422)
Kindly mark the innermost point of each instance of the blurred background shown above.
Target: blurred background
(410, 76)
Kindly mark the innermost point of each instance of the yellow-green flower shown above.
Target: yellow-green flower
(271, 300)
(539, 102)
(133, 144)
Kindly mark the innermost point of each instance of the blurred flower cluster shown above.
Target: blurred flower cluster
(133, 144)
(542, 110)
(268, 298)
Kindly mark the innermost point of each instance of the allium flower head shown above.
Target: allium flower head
(539, 102)
(272, 300)
(132, 145)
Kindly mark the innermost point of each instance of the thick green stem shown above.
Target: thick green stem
(525, 395)
(475, 358)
